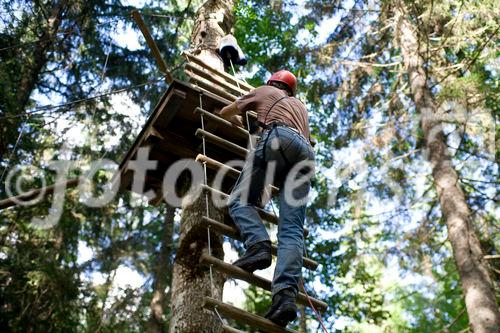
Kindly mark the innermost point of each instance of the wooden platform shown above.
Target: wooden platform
(170, 132)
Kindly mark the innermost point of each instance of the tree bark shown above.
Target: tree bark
(214, 20)
(477, 286)
(162, 275)
(302, 319)
(191, 281)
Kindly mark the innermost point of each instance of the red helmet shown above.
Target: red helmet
(285, 77)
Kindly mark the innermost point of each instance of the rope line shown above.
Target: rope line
(61, 33)
(318, 316)
(122, 17)
(12, 152)
(112, 92)
(207, 209)
(99, 89)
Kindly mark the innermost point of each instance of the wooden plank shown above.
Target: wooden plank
(210, 86)
(216, 165)
(241, 274)
(492, 257)
(222, 228)
(250, 319)
(225, 75)
(243, 132)
(202, 72)
(209, 94)
(232, 172)
(172, 144)
(264, 214)
(31, 194)
(232, 232)
(229, 329)
(223, 143)
(152, 45)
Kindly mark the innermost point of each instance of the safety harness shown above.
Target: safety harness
(271, 127)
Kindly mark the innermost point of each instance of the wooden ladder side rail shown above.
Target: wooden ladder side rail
(152, 45)
(241, 274)
(228, 77)
(221, 121)
(264, 214)
(229, 329)
(243, 316)
(28, 195)
(232, 172)
(223, 143)
(232, 232)
(202, 72)
(210, 86)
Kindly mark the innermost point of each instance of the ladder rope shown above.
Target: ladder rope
(250, 141)
(13, 149)
(207, 212)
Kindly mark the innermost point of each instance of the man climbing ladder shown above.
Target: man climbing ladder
(283, 156)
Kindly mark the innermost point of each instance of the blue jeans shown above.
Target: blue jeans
(247, 193)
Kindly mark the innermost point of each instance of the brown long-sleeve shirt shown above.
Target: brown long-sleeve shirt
(288, 110)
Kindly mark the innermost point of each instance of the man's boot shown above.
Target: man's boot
(283, 310)
(257, 256)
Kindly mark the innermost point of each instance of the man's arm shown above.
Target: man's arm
(231, 113)
(228, 111)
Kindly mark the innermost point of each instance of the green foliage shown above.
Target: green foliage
(385, 264)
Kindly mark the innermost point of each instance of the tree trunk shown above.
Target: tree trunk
(476, 283)
(213, 21)
(42, 47)
(162, 275)
(302, 319)
(191, 281)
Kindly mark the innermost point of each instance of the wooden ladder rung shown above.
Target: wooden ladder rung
(264, 214)
(210, 86)
(232, 232)
(228, 77)
(238, 273)
(229, 329)
(232, 172)
(243, 316)
(204, 73)
(216, 165)
(223, 143)
(220, 120)
(208, 93)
